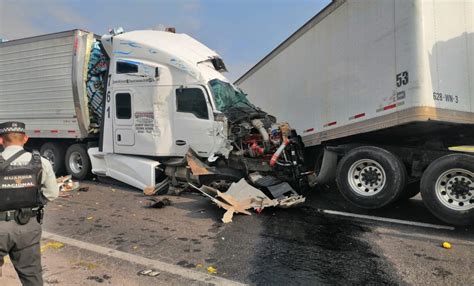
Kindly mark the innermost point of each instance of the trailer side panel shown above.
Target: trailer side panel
(42, 84)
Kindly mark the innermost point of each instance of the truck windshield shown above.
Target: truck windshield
(227, 96)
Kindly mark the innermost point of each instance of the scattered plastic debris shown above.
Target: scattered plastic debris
(66, 184)
(447, 245)
(212, 270)
(149, 272)
(51, 245)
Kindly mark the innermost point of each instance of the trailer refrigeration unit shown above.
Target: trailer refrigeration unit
(137, 107)
(379, 90)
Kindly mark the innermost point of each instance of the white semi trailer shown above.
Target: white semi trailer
(130, 106)
(379, 90)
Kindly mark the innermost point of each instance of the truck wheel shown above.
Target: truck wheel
(447, 189)
(77, 161)
(55, 153)
(370, 177)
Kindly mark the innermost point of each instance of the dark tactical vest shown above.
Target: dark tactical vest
(20, 185)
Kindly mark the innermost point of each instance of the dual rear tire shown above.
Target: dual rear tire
(73, 159)
(371, 177)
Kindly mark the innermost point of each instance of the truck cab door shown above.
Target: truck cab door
(193, 122)
(124, 135)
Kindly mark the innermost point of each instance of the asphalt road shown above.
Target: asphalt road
(300, 246)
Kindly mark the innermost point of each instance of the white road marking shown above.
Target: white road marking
(391, 220)
(147, 262)
(436, 237)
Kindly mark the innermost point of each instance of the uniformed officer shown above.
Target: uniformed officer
(27, 183)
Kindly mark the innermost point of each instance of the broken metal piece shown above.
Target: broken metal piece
(227, 205)
(228, 215)
(198, 167)
(243, 190)
(159, 189)
(282, 189)
(291, 201)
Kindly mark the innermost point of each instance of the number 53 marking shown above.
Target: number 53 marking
(402, 78)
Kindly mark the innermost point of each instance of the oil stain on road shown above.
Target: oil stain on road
(299, 246)
(302, 246)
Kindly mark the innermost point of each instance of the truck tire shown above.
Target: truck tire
(370, 177)
(447, 189)
(77, 161)
(55, 153)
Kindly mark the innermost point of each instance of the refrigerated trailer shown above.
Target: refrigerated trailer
(138, 107)
(379, 90)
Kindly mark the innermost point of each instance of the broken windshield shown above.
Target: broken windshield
(226, 96)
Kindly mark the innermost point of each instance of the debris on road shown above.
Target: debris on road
(156, 203)
(241, 196)
(212, 270)
(149, 272)
(99, 279)
(159, 189)
(66, 184)
(447, 245)
(52, 245)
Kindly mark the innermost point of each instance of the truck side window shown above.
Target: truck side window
(124, 67)
(192, 100)
(123, 106)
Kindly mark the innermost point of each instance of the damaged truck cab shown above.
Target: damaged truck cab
(166, 97)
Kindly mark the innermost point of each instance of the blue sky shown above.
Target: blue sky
(241, 31)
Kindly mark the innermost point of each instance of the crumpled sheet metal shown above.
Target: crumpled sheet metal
(241, 197)
(230, 209)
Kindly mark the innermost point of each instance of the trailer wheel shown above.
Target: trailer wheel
(55, 153)
(78, 164)
(447, 189)
(370, 177)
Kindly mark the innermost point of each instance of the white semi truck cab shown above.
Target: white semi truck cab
(132, 105)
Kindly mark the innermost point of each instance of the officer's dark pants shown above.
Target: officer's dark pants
(22, 243)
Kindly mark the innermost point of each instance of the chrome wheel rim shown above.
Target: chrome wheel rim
(366, 177)
(455, 189)
(75, 162)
